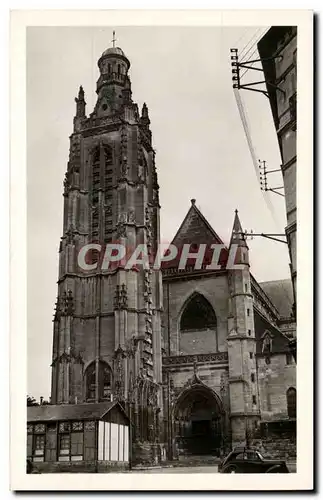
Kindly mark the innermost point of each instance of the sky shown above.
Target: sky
(184, 76)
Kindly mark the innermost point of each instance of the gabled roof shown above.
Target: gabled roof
(280, 292)
(195, 229)
(82, 411)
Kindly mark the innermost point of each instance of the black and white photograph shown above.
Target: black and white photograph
(163, 292)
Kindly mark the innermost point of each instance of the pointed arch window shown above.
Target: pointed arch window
(104, 381)
(291, 402)
(90, 382)
(267, 344)
(100, 223)
(198, 315)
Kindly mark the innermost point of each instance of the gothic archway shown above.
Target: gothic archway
(198, 422)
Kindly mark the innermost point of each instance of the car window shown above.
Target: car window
(252, 455)
(240, 456)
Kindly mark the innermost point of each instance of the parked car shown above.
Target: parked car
(243, 460)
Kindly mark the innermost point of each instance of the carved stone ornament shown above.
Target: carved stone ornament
(131, 216)
(67, 303)
(121, 297)
(122, 218)
(218, 357)
(121, 231)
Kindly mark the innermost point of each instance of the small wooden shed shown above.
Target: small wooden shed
(87, 437)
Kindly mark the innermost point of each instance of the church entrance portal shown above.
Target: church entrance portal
(198, 423)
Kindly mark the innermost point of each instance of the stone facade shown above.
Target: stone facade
(278, 51)
(186, 351)
(224, 360)
(107, 321)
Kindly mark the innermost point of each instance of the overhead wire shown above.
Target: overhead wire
(254, 157)
(251, 64)
(252, 54)
(242, 56)
(251, 42)
(241, 37)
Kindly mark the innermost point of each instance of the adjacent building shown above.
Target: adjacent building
(278, 53)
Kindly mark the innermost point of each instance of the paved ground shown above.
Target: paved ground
(183, 470)
(211, 469)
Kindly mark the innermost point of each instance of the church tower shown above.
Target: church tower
(107, 327)
(244, 400)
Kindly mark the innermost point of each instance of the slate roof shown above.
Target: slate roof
(195, 229)
(280, 292)
(84, 411)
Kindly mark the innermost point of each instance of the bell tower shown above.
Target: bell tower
(107, 326)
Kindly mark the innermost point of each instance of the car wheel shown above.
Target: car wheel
(230, 469)
(273, 470)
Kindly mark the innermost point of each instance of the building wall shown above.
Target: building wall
(286, 71)
(274, 380)
(113, 442)
(176, 294)
(279, 41)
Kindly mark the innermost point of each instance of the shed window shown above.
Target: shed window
(64, 444)
(77, 443)
(71, 441)
(39, 444)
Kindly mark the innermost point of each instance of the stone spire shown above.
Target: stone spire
(237, 236)
(80, 104)
(145, 116)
